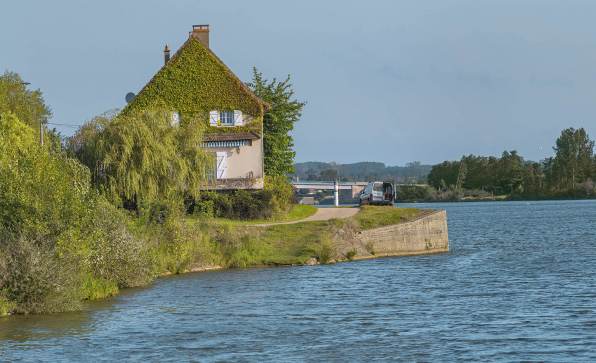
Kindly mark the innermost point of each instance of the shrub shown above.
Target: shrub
(351, 254)
(325, 249)
(104, 247)
(35, 280)
(274, 201)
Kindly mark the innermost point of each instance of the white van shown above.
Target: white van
(381, 193)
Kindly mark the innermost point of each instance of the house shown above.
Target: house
(194, 82)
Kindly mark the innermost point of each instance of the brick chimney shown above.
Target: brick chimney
(200, 32)
(166, 54)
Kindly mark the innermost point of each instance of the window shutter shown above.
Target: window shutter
(175, 119)
(237, 118)
(213, 117)
(221, 165)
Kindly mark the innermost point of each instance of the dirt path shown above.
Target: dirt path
(322, 214)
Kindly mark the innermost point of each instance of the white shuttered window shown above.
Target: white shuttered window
(225, 118)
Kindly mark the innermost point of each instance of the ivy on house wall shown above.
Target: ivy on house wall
(195, 82)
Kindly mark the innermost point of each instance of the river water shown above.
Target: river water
(519, 284)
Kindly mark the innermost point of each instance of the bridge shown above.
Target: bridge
(355, 187)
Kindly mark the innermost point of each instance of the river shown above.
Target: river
(519, 284)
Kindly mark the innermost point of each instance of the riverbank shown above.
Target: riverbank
(502, 293)
(320, 239)
(196, 243)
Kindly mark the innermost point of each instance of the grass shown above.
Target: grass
(298, 212)
(289, 244)
(98, 288)
(374, 216)
(243, 244)
(6, 306)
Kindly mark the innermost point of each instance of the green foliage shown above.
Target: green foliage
(507, 174)
(411, 193)
(28, 106)
(329, 174)
(290, 243)
(443, 174)
(273, 202)
(574, 158)
(462, 173)
(41, 192)
(14, 134)
(248, 251)
(325, 253)
(568, 175)
(33, 279)
(60, 241)
(140, 156)
(277, 123)
(378, 216)
(98, 287)
(351, 254)
(105, 247)
(193, 83)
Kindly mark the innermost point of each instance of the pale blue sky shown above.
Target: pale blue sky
(389, 81)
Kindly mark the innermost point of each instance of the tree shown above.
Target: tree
(446, 172)
(14, 134)
(27, 106)
(329, 174)
(510, 170)
(574, 153)
(141, 157)
(278, 121)
(462, 173)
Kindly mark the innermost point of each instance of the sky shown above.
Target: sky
(387, 81)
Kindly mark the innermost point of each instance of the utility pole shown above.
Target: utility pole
(41, 132)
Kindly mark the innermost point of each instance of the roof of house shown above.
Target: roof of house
(175, 56)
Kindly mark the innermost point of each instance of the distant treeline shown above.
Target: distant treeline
(569, 174)
(413, 172)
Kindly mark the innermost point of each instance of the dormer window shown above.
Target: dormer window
(226, 118)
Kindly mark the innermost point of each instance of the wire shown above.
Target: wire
(63, 125)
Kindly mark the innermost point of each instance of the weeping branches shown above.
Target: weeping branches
(141, 156)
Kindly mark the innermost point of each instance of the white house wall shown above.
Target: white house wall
(240, 165)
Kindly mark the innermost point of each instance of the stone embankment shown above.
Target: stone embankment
(427, 234)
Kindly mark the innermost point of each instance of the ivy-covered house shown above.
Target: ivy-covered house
(193, 83)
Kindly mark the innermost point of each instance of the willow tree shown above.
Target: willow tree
(141, 157)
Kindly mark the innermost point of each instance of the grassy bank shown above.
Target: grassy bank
(242, 244)
(179, 244)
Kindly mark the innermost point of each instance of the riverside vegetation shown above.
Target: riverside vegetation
(120, 203)
(570, 174)
(63, 242)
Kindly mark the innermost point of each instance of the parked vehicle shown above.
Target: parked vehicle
(380, 193)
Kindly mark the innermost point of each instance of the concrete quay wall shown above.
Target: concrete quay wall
(427, 234)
